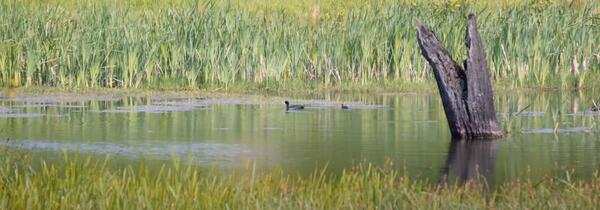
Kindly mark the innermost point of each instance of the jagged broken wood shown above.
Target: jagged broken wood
(467, 93)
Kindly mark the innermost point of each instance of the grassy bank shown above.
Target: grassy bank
(77, 183)
(275, 45)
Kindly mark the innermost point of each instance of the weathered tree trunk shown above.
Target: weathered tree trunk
(467, 94)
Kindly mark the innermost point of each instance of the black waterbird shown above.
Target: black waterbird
(292, 107)
(344, 106)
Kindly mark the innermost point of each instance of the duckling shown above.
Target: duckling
(344, 106)
(292, 107)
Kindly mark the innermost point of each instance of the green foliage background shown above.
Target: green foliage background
(287, 44)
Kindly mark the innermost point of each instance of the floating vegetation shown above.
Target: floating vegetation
(151, 109)
(58, 100)
(43, 105)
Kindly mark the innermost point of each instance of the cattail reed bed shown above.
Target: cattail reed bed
(76, 182)
(205, 44)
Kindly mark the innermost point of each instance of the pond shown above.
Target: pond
(550, 132)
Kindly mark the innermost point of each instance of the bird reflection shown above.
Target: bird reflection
(470, 162)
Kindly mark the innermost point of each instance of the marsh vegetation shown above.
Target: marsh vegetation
(277, 45)
(120, 146)
(79, 182)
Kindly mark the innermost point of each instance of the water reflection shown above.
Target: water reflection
(471, 161)
(409, 129)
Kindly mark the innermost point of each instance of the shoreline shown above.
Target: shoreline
(425, 89)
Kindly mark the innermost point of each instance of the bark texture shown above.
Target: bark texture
(467, 93)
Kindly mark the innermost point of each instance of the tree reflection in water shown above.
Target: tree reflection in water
(471, 161)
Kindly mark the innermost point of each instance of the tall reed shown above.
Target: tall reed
(200, 44)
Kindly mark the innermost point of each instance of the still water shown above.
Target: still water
(550, 132)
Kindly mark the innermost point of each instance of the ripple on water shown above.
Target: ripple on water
(199, 152)
(529, 114)
(176, 98)
(559, 130)
(4, 109)
(425, 121)
(586, 113)
(522, 114)
(272, 129)
(26, 115)
(337, 105)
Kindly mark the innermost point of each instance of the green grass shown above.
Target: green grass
(80, 183)
(280, 45)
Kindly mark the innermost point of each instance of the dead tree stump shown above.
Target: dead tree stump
(467, 93)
